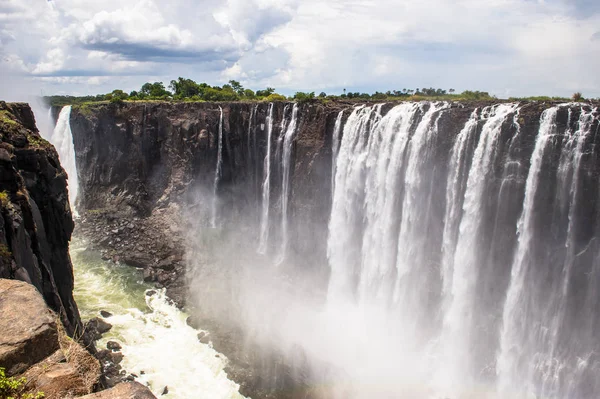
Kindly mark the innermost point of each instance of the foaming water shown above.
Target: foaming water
(157, 343)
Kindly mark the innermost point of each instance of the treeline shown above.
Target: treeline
(181, 89)
(184, 89)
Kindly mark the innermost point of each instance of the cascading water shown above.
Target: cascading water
(424, 232)
(62, 139)
(459, 325)
(288, 138)
(266, 187)
(548, 348)
(218, 171)
(335, 145)
(158, 346)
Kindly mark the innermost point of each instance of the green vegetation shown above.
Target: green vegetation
(7, 118)
(184, 89)
(14, 388)
(4, 199)
(38, 141)
(5, 252)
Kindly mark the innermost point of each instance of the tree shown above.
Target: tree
(451, 91)
(577, 96)
(237, 87)
(184, 88)
(322, 94)
(265, 93)
(302, 97)
(156, 89)
(119, 94)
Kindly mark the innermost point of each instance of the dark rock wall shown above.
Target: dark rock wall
(133, 158)
(36, 223)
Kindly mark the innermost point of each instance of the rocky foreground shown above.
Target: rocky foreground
(40, 325)
(35, 346)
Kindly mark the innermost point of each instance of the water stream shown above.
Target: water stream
(159, 347)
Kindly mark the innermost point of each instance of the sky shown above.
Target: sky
(505, 47)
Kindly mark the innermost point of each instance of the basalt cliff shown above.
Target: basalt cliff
(36, 223)
(456, 220)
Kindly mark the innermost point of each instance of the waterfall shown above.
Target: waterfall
(459, 327)
(62, 139)
(342, 246)
(335, 145)
(218, 171)
(455, 191)
(474, 247)
(266, 187)
(288, 138)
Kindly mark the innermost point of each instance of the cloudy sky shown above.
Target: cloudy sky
(506, 47)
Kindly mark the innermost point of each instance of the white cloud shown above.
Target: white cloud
(503, 46)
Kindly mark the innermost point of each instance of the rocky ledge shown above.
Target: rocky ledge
(35, 350)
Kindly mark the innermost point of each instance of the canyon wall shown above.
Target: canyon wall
(470, 229)
(36, 223)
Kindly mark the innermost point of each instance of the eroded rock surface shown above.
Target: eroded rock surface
(28, 331)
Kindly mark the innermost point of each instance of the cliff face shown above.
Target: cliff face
(36, 223)
(136, 160)
(430, 190)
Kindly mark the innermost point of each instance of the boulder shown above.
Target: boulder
(29, 332)
(125, 390)
(96, 327)
(58, 380)
(113, 346)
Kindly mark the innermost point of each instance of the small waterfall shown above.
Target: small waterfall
(288, 138)
(335, 146)
(218, 171)
(266, 187)
(455, 191)
(62, 139)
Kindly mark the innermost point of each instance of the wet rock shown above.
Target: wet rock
(204, 337)
(115, 357)
(165, 390)
(102, 355)
(105, 314)
(96, 327)
(113, 346)
(151, 293)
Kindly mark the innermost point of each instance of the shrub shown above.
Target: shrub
(577, 96)
(14, 388)
(4, 200)
(275, 97)
(4, 251)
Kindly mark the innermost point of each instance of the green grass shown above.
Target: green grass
(7, 117)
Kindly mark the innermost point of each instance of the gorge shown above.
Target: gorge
(413, 249)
